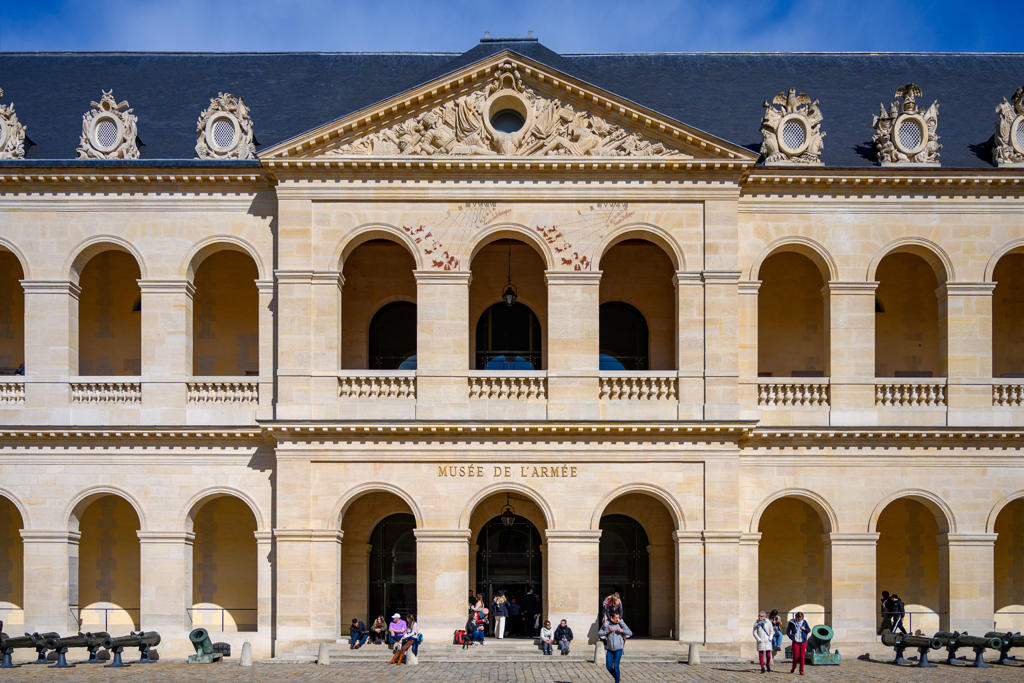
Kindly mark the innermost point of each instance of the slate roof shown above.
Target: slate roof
(721, 93)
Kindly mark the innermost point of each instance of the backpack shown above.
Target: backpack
(460, 635)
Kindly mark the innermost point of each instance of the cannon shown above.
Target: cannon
(1007, 640)
(205, 652)
(818, 643)
(955, 640)
(141, 640)
(8, 645)
(91, 641)
(901, 641)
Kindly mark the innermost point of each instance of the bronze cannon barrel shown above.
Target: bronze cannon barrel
(150, 638)
(1010, 639)
(17, 642)
(898, 639)
(979, 641)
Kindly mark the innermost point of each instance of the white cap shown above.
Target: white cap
(396, 615)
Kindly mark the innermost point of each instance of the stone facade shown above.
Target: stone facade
(201, 435)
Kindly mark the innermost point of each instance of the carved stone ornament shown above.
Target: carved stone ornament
(109, 130)
(509, 119)
(791, 129)
(224, 130)
(1008, 149)
(12, 132)
(906, 135)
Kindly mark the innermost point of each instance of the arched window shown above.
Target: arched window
(623, 337)
(1008, 317)
(909, 341)
(508, 338)
(392, 338)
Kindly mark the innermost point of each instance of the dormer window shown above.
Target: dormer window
(224, 130)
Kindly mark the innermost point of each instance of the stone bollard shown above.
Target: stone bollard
(323, 655)
(246, 658)
(599, 652)
(693, 656)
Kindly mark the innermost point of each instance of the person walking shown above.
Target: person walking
(547, 637)
(614, 633)
(886, 612)
(499, 610)
(898, 612)
(563, 636)
(776, 622)
(357, 635)
(798, 631)
(763, 633)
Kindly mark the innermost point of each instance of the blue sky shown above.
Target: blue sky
(571, 26)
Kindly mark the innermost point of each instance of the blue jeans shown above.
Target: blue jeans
(563, 645)
(611, 662)
(478, 635)
(547, 647)
(392, 638)
(357, 638)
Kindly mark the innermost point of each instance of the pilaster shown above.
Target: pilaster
(748, 600)
(165, 594)
(442, 344)
(690, 343)
(51, 348)
(748, 347)
(572, 579)
(851, 604)
(721, 344)
(294, 343)
(267, 362)
(971, 581)
(689, 580)
(308, 586)
(968, 340)
(573, 344)
(50, 584)
(851, 320)
(264, 582)
(442, 559)
(166, 348)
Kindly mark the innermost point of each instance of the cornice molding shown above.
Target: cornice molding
(443, 277)
(132, 177)
(572, 536)
(775, 436)
(166, 537)
(442, 535)
(869, 180)
(309, 535)
(119, 434)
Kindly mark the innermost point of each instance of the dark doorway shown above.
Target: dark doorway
(393, 566)
(508, 560)
(624, 566)
(508, 338)
(392, 337)
(623, 337)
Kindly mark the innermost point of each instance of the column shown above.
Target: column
(573, 344)
(165, 588)
(851, 603)
(689, 609)
(308, 586)
(51, 348)
(442, 344)
(50, 582)
(690, 344)
(294, 343)
(971, 596)
(721, 277)
(264, 583)
(267, 313)
(965, 320)
(166, 348)
(851, 338)
(442, 559)
(748, 348)
(572, 580)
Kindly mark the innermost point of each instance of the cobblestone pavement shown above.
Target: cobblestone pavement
(160, 672)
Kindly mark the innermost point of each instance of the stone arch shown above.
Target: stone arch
(97, 244)
(804, 246)
(7, 245)
(79, 503)
(205, 248)
(934, 255)
(651, 490)
(829, 520)
(939, 508)
(647, 232)
(370, 231)
(510, 487)
(354, 493)
(993, 515)
(1009, 248)
(513, 231)
(187, 515)
(26, 522)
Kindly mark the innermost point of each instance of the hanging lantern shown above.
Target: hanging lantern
(509, 294)
(508, 515)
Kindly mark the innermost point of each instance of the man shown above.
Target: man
(899, 611)
(563, 636)
(396, 629)
(886, 613)
(531, 612)
(614, 633)
(514, 627)
(357, 635)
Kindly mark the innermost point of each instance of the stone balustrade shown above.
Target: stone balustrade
(794, 392)
(511, 385)
(106, 390)
(910, 393)
(12, 391)
(377, 384)
(224, 390)
(627, 385)
(1008, 394)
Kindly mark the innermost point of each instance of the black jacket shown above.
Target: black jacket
(359, 627)
(563, 632)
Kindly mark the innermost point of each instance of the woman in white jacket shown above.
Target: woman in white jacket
(547, 637)
(763, 632)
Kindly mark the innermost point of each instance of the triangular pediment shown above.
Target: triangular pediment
(558, 117)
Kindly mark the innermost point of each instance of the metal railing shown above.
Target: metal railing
(134, 613)
(908, 618)
(241, 627)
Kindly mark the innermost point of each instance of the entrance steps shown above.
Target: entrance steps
(508, 650)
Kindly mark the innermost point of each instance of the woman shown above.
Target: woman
(798, 631)
(379, 631)
(478, 606)
(776, 623)
(411, 639)
(612, 605)
(500, 612)
(763, 637)
(547, 637)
